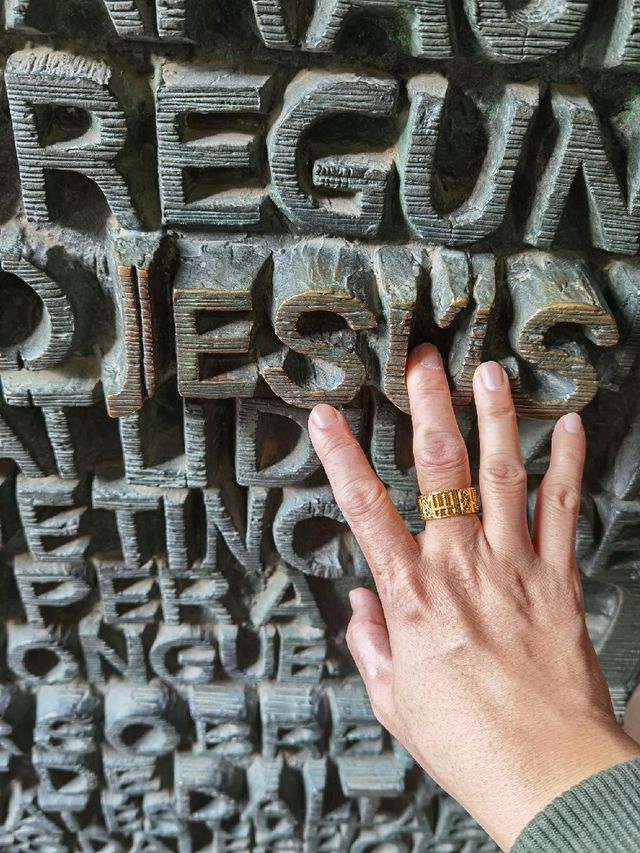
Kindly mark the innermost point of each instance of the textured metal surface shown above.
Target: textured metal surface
(213, 215)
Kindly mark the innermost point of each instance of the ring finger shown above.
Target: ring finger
(441, 458)
(503, 479)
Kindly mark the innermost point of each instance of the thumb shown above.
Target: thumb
(368, 642)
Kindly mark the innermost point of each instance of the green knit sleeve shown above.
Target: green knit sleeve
(601, 815)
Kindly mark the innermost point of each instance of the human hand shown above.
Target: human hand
(476, 654)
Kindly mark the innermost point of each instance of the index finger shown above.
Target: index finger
(362, 498)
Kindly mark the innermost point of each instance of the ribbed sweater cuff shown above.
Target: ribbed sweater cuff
(600, 814)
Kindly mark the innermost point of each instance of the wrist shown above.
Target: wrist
(600, 813)
(579, 754)
(546, 769)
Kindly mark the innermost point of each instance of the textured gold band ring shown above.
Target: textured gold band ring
(448, 504)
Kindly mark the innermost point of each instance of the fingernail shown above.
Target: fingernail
(492, 375)
(572, 423)
(430, 357)
(324, 416)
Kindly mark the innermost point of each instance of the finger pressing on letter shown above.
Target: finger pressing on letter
(362, 498)
(503, 478)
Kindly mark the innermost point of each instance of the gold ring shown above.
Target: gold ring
(448, 504)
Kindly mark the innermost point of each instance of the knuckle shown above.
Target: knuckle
(462, 567)
(568, 460)
(363, 498)
(376, 679)
(562, 497)
(504, 473)
(428, 382)
(406, 597)
(441, 451)
(356, 632)
(500, 408)
(350, 637)
(461, 555)
(339, 443)
(568, 582)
